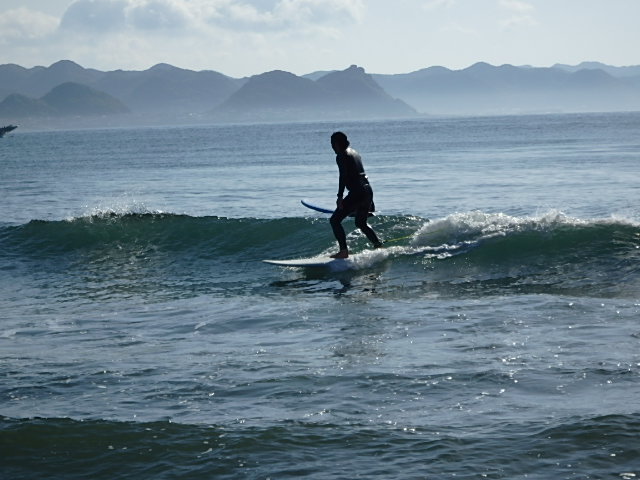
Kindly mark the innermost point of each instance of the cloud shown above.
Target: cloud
(103, 16)
(159, 15)
(238, 37)
(96, 16)
(322, 11)
(285, 15)
(521, 14)
(435, 4)
(516, 5)
(22, 25)
(517, 21)
(457, 28)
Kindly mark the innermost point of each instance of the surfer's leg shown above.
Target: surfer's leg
(362, 213)
(336, 224)
(361, 223)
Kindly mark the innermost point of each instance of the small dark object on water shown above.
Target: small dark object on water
(7, 129)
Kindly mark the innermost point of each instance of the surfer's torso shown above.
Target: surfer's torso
(352, 175)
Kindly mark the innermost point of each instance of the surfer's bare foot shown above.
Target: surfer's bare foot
(341, 254)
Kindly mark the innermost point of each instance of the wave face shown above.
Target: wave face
(472, 252)
(551, 253)
(62, 448)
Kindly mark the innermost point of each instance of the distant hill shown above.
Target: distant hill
(631, 71)
(486, 89)
(164, 94)
(317, 74)
(274, 92)
(160, 89)
(68, 98)
(37, 81)
(165, 88)
(278, 95)
(357, 93)
(21, 106)
(72, 98)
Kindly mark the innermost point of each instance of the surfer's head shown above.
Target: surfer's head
(339, 141)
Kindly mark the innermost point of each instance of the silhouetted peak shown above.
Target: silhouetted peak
(77, 98)
(425, 72)
(592, 66)
(353, 78)
(71, 87)
(65, 66)
(13, 67)
(164, 67)
(479, 67)
(355, 69)
(275, 76)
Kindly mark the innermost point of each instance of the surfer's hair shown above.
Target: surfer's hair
(339, 139)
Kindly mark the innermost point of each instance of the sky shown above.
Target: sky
(248, 37)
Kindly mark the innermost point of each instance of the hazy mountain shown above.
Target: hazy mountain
(358, 94)
(43, 80)
(274, 92)
(350, 93)
(167, 94)
(317, 74)
(20, 106)
(164, 88)
(631, 71)
(160, 89)
(66, 99)
(35, 82)
(12, 78)
(72, 98)
(486, 89)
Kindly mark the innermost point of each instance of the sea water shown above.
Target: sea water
(496, 336)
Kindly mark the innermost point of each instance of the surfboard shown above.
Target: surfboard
(314, 262)
(310, 205)
(320, 209)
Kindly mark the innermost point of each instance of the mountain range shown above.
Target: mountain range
(167, 94)
(506, 89)
(66, 99)
(349, 93)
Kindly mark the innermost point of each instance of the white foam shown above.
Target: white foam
(457, 233)
(116, 208)
(461, 227)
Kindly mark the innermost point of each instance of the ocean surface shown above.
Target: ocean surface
(496, 336)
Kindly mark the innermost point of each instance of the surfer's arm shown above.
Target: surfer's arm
(341, 182)
(340, 189)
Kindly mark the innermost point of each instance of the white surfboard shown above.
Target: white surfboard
(314, 262)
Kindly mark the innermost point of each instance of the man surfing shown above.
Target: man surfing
(359, 200)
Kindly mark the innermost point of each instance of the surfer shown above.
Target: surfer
(359, 200)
